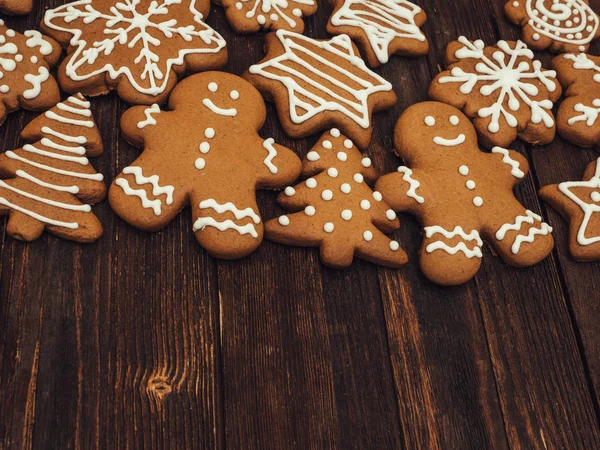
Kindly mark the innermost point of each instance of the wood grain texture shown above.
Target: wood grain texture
(143, 341)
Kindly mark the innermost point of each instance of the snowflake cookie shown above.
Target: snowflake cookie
(204, 152)
(16, 7)
(336, 209)
(249, 16)
(558, 25)
(461, 195)
(381, 27)
(50, 183)
(579, 203)
(137, 47)
(316, 84)
(25, 80)
(503, 89)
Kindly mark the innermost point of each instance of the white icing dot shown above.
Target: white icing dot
(204, 147)
(589, 28)
(327, 195)
(348, 144)
(366, 162)
(239, 5)
(34, 59)
(568, 23)
(342, 156)
(515, 4)
(470, 184)
(358, 178)
(200, 163)
(394, 246)
(332, 172)
(346, 214)
(377, 196)
(345, 188)
(463, 170)
(261, 19)
(297, 12)
(284, 220)
(213, 87)
(478, 201)
(391, 215)
(429, 121)
(365, 204)
(557, 22)
(274, 17)
(234, 95)
(335, 132)
(311, 183)
(313, 156)
(454, 120)
(328, 145)
(4, 89)
(10, 33)
(367, 236)
(209, 133)
(328, 227)
(310, 211)
(290, 191)
(18, 58)
(535, 36)
(595, 197)
(578, 35)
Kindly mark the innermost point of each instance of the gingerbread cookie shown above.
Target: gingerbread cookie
(16, 7)
(25, 80)
(249, 16)
(50, 183)
(336, 209)
(461, 195)
(557, 25)
(579, 203)
(577, 118)
(138, 48)
(204, 152)
(381, 27)
(317, 84)
(503, 89)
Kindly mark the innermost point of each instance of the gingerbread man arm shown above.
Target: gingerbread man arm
(512, 163)
(136, 121)
(403, 190)
(279, 168)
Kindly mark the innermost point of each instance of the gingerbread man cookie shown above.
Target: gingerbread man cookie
(16, 7)
(381, 27)
(25, 80)
(316, 84)
(249, 16)
(137, 47)
(502, 89)
(579, 203)
(557, 25)
(50, 183)
(204, 152)
(461, 195)
(336, 209)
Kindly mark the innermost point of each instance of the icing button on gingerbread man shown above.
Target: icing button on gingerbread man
(205, 152)
(461, 195)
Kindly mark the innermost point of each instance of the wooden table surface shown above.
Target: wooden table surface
(144, 341)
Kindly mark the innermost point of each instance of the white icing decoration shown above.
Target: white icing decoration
(454, 120)
(460, 139)
(311, 183)
(274, 9)
(377, 196)
(346, 214)
(213, 87)
(342, 156)
(332, 172)
(413, 184)
(82, 123)
(346, 188)
(394, 246)
(201, 223)
(368, 236)
(530, 237)
(335, 132)
(460, 247)
(358, 178)
(36, 82)
(506, 159)
(478, 201)
(58, 223)
(463, 170)
(327, 195)
(357, 85)
(227, 112)
(140, 180)
(154, 109)
(209, 133)
(268, 161)
(94, 176)
(365, 204)
(589, 114)
(230, 207)
(37, 40)
(430, 121)
(71, 207)
(284, 221)
(366, 162)
(234, 95)
(391, 215)
(290, 191)
(69, 189)
(310, 210)
(328, 227)
(313, 156)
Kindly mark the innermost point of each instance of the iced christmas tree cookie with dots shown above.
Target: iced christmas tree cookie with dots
(204, 152)
(25, 80)
(50, 184)
(577, 118)
(461, 195)
(336, 210)
(137, 47)
(249, 16)
(381, 27)
(16, 7)
(579, 203)
(502, 89)
(316, 84)
(558, 25)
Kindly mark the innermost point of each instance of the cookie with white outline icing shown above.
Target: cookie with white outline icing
(249, 16)
(462, 196)
(336, 209)
(25, 79)
(204, 152)
(16, 7)
(560, 26)
(502, 89)
(579, 203)
(319, 84)
(380, 27)
(138, 48)
(49, 183)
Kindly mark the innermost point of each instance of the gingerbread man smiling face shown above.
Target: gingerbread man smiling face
(461, 195)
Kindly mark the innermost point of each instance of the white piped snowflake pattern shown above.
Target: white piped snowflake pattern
(509, 78)
(588, 113)
(105, 31)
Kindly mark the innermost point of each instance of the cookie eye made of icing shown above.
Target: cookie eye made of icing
(454, 120)
(429, 121)
(213, 87)
(234, 95)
